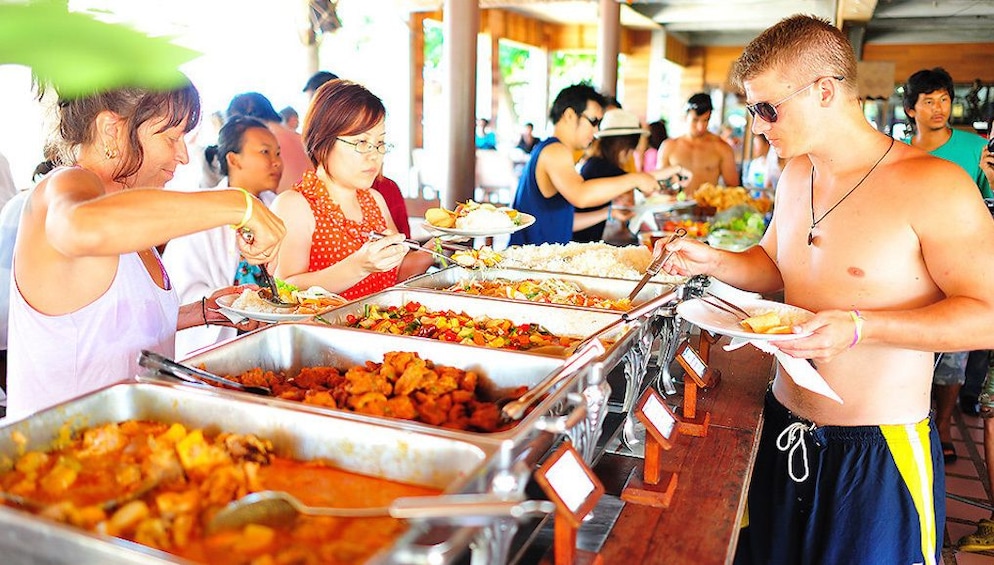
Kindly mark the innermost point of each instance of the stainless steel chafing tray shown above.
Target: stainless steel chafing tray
(615, 289)
(293, 346)
(628, 341)
(396, 453)
(560, 320)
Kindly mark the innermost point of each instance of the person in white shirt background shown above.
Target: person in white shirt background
(248, 156)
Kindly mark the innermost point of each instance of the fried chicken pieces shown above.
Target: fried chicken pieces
(403, 386)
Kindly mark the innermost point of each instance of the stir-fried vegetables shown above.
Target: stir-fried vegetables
(414, 319)
(549, 291)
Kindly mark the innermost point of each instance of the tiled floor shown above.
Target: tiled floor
(966, 478)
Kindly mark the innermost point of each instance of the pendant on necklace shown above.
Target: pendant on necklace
(811, 236)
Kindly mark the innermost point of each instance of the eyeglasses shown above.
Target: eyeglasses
(363, 147)
(768, 112)
(593, 121)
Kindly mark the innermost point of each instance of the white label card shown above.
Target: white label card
(694, 360)
(659, 416)
(570, 481)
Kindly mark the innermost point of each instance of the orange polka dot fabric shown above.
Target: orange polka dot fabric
(336, 237)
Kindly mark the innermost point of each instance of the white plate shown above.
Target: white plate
(224, 304)
(526, 220)
(702, 314)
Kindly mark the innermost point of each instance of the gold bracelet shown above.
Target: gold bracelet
(249, 200)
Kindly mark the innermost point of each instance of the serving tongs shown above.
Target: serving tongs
(514, 409)
(725, 305)
(654, 267)
(277, 508)
(162, 364)
(271, 293)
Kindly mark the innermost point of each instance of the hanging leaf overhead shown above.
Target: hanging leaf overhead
(80, 54)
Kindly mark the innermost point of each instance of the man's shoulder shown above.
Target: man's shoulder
(918, 168)
(715, 139)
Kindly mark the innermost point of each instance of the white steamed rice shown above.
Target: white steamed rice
(485, 219)
(594, 259)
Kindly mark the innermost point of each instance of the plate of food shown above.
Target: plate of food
(308, 303)
(473, 219)
(767, 320)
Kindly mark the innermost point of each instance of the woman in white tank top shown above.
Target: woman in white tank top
(89, 291)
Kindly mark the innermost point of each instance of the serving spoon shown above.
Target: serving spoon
(276, 508)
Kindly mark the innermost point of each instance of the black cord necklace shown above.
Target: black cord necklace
(814, 222)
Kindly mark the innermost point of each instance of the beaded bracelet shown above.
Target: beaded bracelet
(249, 200)
(858, 320)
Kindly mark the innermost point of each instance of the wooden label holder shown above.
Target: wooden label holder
(575, 490)
(655, 487)
(699, 376)
(704, 344)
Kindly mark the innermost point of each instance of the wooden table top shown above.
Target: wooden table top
(701, 525)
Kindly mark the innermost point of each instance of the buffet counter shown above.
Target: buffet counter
(701, 525)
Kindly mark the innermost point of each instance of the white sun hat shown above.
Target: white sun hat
(620, 122)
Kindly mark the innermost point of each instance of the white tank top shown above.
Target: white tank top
(51, 359)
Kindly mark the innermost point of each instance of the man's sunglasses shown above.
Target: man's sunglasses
(593, 121)
(768, 112)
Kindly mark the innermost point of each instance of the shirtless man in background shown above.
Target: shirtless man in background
(892, 249)
(706, 155)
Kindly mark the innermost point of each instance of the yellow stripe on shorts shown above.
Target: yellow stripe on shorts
(911, 448)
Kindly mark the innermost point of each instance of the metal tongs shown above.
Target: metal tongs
(655, 266)
(274, 290)
(162, 364)
(725, 305)
(515, 409)
(267, 279)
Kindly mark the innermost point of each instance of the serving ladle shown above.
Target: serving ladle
(277, 508)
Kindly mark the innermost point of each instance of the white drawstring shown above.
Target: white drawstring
(789, 440)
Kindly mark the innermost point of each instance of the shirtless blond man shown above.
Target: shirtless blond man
(892, 249)
(707, 156)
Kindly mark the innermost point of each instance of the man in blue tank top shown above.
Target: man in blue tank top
(550, 186)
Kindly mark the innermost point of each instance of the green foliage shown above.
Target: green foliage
(80, 55)
(433, 44)
(570, 67)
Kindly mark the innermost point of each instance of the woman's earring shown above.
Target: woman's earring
(110, 152)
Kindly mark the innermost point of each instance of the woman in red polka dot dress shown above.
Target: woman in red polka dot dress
(331, 211)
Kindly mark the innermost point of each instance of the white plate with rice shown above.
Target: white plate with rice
(250, 305)
(524, 220)
(713, 319)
